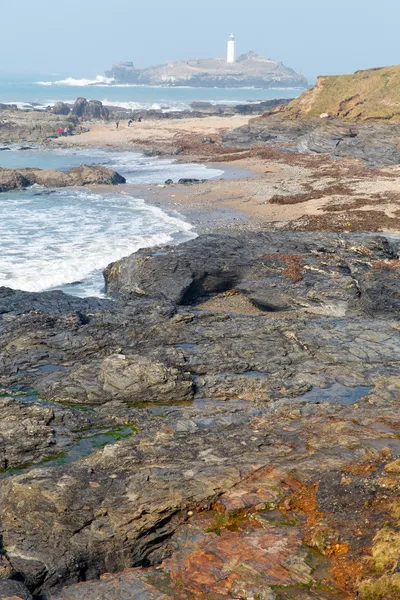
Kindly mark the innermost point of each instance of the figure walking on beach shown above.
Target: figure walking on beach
(116, 124)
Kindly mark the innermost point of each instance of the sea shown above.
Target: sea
(63, 238)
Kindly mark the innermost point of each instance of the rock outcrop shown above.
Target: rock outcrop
(18, 179)
(375, 143)
(353, 116)
(18, 126)
(249, 70)
(216, 263)
(265, 462)
(61, 108)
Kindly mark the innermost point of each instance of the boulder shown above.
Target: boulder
(79, 108)
(96, 110)
(60, 108)
(190, 181)
(208, 264)
(139, 379)
(93, 109)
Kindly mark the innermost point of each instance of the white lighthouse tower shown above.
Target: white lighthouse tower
(231, 58)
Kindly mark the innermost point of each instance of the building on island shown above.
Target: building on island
(231, 59)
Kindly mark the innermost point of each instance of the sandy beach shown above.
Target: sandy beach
(261, 187)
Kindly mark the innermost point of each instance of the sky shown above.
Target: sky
(83, 38)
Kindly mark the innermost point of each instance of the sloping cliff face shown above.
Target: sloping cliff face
(364, 95)
(249, 70)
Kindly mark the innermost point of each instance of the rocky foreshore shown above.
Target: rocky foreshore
(375, 143)
(227, 427)
(33, 125)
(18, 179)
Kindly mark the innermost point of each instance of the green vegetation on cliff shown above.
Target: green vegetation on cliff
(371, 94)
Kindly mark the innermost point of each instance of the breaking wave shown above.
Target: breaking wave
(70, 81)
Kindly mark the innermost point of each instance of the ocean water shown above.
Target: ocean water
(44, 90)
(63, 238)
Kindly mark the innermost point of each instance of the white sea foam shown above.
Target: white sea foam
(71, 81)
(53, 238)
(139, 169)
(175, 106)
(70, 235)
(29, 105)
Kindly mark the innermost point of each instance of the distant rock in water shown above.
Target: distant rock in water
(18, 179)
(365, 95)
(249, 70)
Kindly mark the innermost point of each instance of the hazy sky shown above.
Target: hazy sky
(84, 37)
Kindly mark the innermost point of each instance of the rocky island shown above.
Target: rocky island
(249, 70)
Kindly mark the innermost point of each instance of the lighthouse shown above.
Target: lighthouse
(231, 58)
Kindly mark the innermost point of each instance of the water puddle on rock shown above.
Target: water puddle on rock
(336, 394)
(95, 439)
(44, 369)
(84, 442)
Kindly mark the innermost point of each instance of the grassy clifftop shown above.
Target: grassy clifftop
(371, 94)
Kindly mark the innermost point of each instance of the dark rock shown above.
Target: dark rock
(130, 584)
(14, 590)
(252, 108)
(17, 303)
(93, 109)
(60, 108)
(189, 181)
(11, 179)
(169, 182)
(303, 264)
(208, 264)
(374, 143)
(293, 419)
(79, 108)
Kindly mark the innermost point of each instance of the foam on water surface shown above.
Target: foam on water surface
(63, 238)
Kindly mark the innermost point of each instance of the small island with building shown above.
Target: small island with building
(247, 70)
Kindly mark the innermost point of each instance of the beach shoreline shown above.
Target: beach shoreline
(262, 188)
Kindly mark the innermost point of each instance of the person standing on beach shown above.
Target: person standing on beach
(139, 118)
(116, 124)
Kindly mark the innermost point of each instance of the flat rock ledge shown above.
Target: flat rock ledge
(227, 427)
(19, 179)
